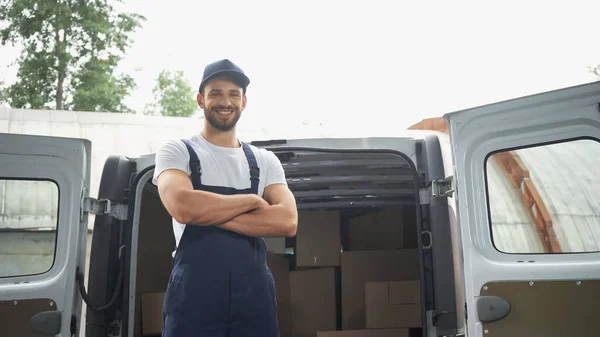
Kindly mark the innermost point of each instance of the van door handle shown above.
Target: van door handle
(492, 308)
(46, 323)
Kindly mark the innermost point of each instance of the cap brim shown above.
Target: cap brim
(239, 78)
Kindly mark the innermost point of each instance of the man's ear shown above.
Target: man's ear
(244, 100)
(200, 100)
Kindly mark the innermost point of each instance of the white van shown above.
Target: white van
(498, 224)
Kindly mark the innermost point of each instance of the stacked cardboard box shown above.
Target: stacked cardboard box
(367, 289)
(318, 239)
(280, 269)
(152, 306)
(361, 267)
(388, 229)
(394, 304)
(315, 282)
(314, 301)
(380, 274)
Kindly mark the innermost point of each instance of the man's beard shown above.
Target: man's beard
(212, 118)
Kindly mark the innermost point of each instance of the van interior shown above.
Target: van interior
(353, 266)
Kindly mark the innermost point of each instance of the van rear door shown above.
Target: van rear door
(528, 201)
(43, 181)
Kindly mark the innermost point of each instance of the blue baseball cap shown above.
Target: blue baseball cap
(225, 68)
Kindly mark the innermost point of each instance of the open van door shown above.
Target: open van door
(528, 207)
(44, 184)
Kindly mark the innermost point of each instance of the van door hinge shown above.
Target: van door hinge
(442, 187)
(105, 207)
(436, 189)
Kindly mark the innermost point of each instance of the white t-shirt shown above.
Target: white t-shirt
(221, 166)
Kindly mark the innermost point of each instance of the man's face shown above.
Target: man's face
(223, 102)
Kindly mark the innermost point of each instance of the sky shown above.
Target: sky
(356, 64)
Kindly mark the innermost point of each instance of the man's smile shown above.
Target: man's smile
(224, 112)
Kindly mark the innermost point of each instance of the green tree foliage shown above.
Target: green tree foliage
(71, 49)
(97, 88)
(2, 90)
(173, 96)
(596, 71)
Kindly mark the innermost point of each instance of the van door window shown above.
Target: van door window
(28, 226)
(545, 199)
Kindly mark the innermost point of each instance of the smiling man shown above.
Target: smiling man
(224, 195)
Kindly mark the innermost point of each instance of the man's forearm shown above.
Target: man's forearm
(269, 221)
(206, 209)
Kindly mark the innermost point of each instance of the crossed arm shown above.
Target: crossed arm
(248, 214)
(278, 218)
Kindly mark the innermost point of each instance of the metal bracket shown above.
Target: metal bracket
(104, 207)
(437, 188)
(492, 308)
(442, 187)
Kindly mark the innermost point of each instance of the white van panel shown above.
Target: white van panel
(63, 163)
(546, 118)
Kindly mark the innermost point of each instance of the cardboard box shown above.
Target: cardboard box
(366, 333)
(382, 230)
(361, 267)
(393, 316)
(393, 304)
(393, 292)
(152, 305)
(405, 292)
(280, 269)
(389, 229)
(315, 300)
(318, 239)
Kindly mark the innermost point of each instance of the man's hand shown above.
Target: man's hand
(262, 203)
(193, 207)
(278, 218)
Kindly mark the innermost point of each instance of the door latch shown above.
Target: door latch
(104, 207)
(436, 189)
(442, 187)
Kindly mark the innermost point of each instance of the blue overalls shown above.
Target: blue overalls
(220, 285)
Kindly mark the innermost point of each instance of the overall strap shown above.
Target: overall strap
(254, 170)
(196, 171)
